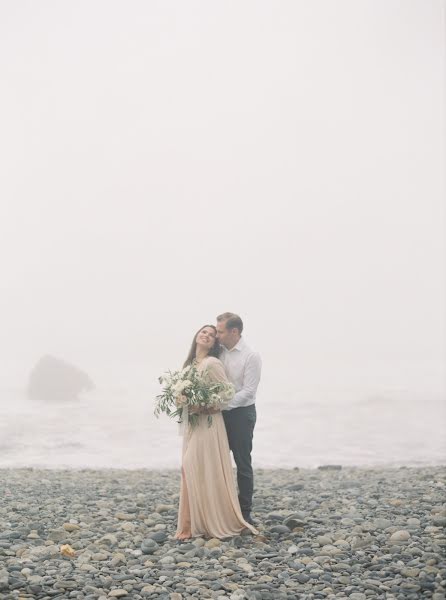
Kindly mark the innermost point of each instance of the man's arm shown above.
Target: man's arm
(251, 378)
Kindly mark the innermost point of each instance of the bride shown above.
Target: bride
(209, 504)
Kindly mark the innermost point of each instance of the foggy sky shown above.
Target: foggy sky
(162, 162)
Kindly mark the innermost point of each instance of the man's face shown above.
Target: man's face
(227, 337)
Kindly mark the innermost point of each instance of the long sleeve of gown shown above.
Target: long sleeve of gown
(216, 374)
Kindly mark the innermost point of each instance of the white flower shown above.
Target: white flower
(179, 386)
(215, 399)
(228, 392)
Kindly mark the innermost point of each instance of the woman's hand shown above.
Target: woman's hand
(210, 411)
(202, 410)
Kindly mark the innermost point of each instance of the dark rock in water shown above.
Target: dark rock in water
(55, 379)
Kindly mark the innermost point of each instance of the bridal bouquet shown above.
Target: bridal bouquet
(190, 388)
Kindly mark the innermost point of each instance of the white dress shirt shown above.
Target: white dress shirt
(243, 367)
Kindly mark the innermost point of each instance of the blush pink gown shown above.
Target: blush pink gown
(209, 505)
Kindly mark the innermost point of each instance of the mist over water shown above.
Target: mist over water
(154, 175)
(116, 428)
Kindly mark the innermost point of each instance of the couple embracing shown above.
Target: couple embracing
(209, 505)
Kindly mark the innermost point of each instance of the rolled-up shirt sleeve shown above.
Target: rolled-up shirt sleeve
(251, 379)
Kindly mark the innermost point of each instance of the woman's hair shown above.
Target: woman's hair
(214, 351)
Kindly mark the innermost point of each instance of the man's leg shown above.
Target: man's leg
(240, 424)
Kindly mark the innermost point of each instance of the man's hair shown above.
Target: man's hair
(231, 321)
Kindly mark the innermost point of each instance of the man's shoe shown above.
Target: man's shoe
(248, 518)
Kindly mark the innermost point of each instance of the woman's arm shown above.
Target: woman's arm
(217, 374)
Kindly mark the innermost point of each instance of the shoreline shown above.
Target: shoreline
(349, 532)
(297, 468)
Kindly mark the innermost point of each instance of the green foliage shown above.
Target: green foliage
(191, 388)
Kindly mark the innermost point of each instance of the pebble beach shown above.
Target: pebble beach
(331, 532)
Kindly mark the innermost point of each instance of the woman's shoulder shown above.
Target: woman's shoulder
(215, 369)
(214, 364)
(212, 360)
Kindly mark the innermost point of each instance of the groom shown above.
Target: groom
(243, 367)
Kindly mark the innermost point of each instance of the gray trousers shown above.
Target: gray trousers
(240, 423)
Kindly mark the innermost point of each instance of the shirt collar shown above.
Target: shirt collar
(239, 346)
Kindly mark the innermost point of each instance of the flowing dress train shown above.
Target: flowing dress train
(209, 504)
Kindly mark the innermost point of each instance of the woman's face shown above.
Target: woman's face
(206, 337)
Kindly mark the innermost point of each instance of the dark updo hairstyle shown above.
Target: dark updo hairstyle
(214, 351)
